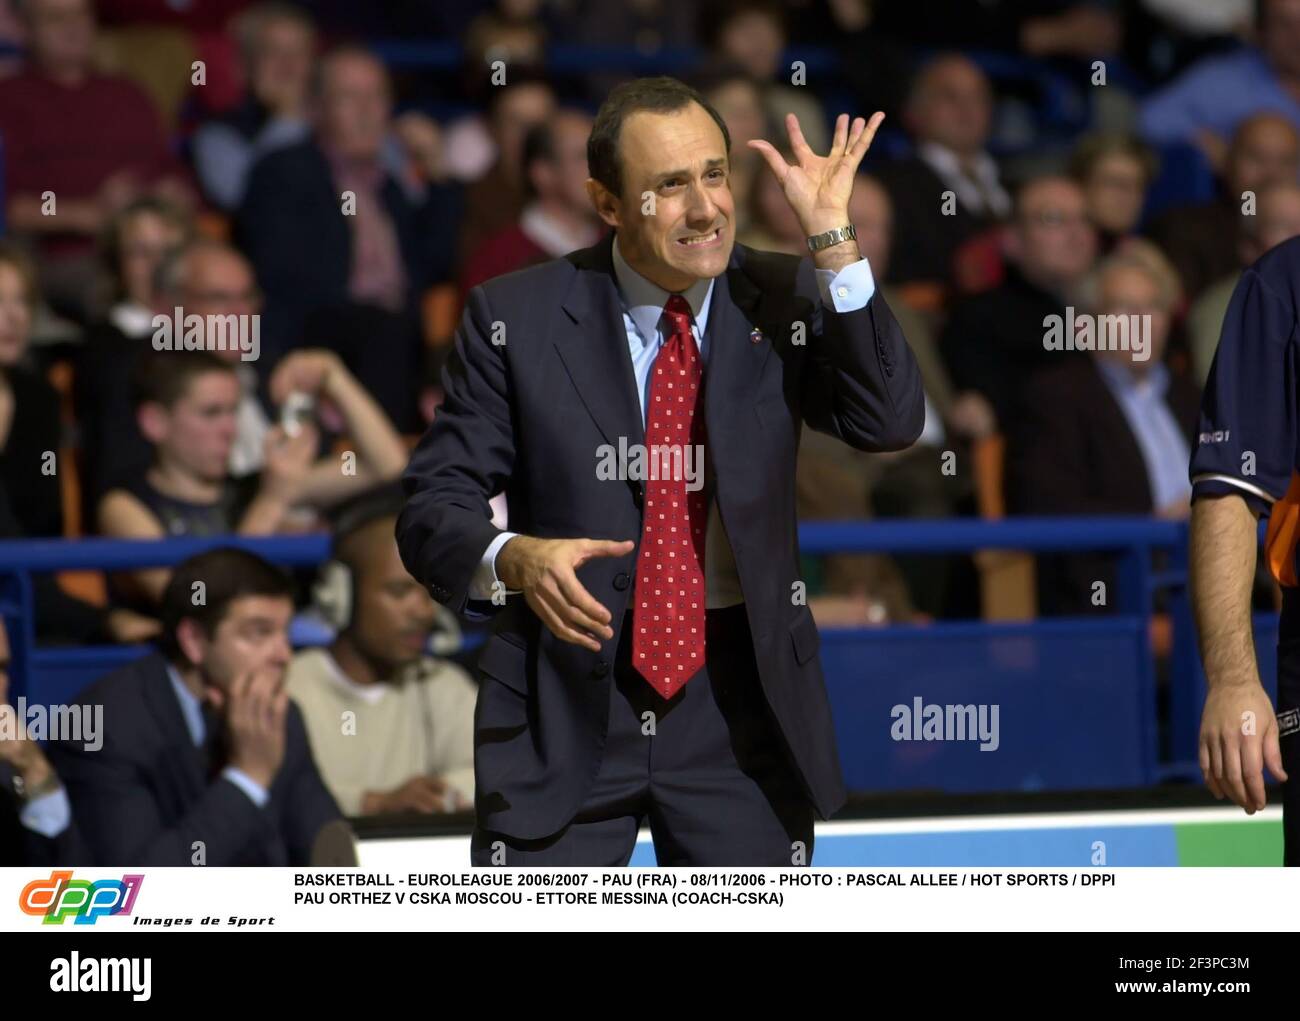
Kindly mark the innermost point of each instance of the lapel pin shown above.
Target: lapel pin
(755, 336)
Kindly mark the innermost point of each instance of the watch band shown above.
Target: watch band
(832, 237)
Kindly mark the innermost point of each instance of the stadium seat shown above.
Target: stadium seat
(1007, 580)
(89, 586)
(441, 312)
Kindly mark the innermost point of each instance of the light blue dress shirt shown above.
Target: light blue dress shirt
(1217, 93)
(1163, 445)
(193, 713)
(643, 307)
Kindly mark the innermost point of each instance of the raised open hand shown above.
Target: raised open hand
(818, 187)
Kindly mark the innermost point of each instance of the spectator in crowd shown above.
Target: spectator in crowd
(205, 760)
(994, 342)
(510, 31)
(134, 245)
(36, 826)
(409, 742)
(1114, 172)
(1207, 104)
(344, 249)
(277, 44)
(1202, 240)
(751, 35)
(186, 406)
(31, 427)
(211, 279)
(739, 101)
(30, 483)
(646, 26)
(495, 198)
(1079, 29)
(558, 217)
(1277, 218)
(78, 146)
(950, 188)
(1109, 432)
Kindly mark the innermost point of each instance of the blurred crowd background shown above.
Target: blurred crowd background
(1122, 158)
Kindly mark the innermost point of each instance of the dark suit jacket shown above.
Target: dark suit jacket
(1074, 453)
(142, 799)
(529, 415)
(292, 228)
(993, 344)
(21, 846)
(930, 239)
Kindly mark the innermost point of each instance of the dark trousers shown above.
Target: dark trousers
(708, 770)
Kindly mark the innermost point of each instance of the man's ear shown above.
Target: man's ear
(192, 640)
(605, 203)
(152, 419)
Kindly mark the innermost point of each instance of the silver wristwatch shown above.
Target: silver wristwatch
(832, 237)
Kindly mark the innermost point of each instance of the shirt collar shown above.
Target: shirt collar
(644, 300)
(371, 694)
(944, 162)
(191, 709)
(1121, 378)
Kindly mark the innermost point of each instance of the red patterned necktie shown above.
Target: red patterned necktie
(668, 615)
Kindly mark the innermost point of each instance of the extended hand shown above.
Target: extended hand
(545, 571)
(818, 187)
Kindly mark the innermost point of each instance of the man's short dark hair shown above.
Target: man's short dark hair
(164, 377)
(654, 95)
(225, 574)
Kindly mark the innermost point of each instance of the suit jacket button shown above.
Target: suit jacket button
(638, 496)
(621, 581)
(600, 669)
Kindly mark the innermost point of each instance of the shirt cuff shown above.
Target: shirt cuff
(49, 815)
(485, 581)
(256, 792)
(848, 290)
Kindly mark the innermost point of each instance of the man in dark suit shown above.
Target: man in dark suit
(204, 758)
(640, 404)
(993, 342)
(949, 189)
(36, 826)
(345, 238)
(1106, 433)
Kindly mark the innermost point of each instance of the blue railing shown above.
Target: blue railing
(1077, 697)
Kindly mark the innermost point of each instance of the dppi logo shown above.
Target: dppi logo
(61, 896)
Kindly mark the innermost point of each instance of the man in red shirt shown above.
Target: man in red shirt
(78, 146)
(557, 218)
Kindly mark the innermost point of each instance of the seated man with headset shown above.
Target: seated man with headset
(391, 727)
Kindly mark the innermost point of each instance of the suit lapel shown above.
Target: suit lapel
(736, 360)
(592, 343)
(593, 348)
(160, 697)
